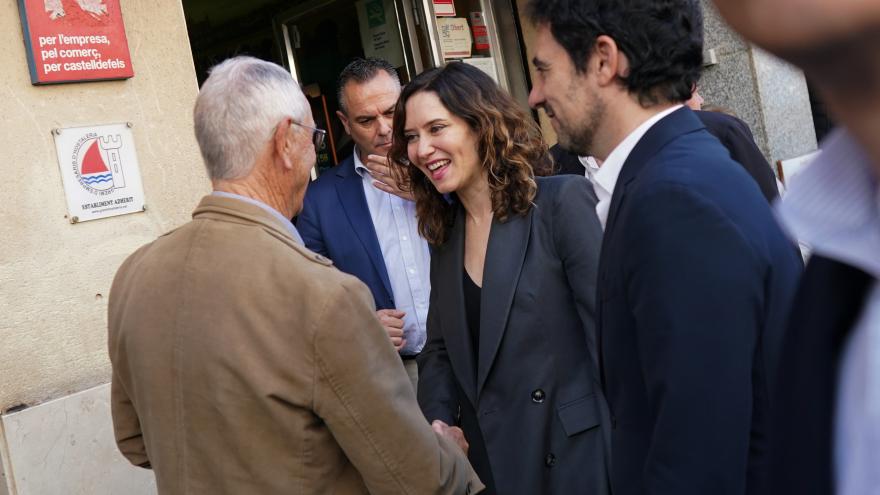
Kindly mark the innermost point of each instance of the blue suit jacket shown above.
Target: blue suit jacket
(829, 301)
(695, 282)
(335, 222)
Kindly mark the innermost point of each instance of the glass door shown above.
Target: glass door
(465, 31)
(321, 37)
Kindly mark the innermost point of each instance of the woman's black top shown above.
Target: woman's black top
(472, 312)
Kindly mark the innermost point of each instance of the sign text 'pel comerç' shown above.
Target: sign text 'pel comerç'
(74, 40)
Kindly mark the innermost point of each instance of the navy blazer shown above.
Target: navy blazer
(733, 133)
(736, 136)
(531, 405)
(826, 309)
(335, 221)
(696, 279)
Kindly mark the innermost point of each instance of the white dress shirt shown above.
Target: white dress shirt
(591, 166)
(834, 207)
(406, 255)
(606, 178)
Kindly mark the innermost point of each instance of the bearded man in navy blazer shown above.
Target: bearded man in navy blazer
(695, 275)
(356, 215)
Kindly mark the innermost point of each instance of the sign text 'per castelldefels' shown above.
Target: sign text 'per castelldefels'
(75, 40)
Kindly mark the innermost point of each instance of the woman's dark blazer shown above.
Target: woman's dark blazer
(532, 408)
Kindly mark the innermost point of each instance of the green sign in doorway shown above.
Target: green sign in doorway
(375, 13)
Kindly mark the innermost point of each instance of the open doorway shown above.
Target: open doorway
(314, 39)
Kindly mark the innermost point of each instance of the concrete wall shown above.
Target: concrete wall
(66, 447)
(55, 276)
(767, 93)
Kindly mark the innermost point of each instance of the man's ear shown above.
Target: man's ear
(345, 123)
(282, 144)
(610, 62)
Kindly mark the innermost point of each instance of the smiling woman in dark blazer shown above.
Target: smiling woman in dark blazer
(510, 355)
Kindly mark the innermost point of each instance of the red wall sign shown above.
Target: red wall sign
(74, 40)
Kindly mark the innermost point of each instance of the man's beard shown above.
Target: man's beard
(578, 137)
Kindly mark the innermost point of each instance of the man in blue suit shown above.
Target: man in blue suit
(695, 276)
(356, 215)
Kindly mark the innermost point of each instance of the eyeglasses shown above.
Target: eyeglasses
(318, 135)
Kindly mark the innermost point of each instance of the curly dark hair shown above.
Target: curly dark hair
(662, 39)
(510, 145)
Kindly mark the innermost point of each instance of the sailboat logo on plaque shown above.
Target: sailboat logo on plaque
(97, 163)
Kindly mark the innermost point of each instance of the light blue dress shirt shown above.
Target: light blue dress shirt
(834, 207)
(406, 255)
(275, 213)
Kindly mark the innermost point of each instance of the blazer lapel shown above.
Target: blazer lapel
(505, 254)
(679, 122)
(450, 265)
(351, 195)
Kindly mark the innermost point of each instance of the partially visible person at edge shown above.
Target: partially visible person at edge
(827, 418)
(242, 361)
(695, 277)
(356, 215)
(736, 136)
(511, 344)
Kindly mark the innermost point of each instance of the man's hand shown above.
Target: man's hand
(382, 178)
(392, 320)
(453, 433)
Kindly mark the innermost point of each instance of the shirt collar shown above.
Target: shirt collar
(833, 206)
(288, 225)
(606, 177)
(359, 166)
(591, 167)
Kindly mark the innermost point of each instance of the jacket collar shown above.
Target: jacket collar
(236, 210)
(354, 203)
(679, 122)
(505, 254)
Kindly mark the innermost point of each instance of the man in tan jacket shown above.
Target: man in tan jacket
(243, 363)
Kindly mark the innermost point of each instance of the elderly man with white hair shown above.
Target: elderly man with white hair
(242, 361)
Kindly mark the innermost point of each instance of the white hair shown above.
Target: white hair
(237, 110)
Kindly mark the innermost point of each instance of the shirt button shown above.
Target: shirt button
(404, 238)
(550, 460)
(412, 271)
(538, 396)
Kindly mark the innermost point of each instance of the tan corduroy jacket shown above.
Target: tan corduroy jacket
(244, 363)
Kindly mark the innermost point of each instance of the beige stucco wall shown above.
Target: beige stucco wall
(55, 276)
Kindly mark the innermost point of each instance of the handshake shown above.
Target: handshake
(453, 433)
